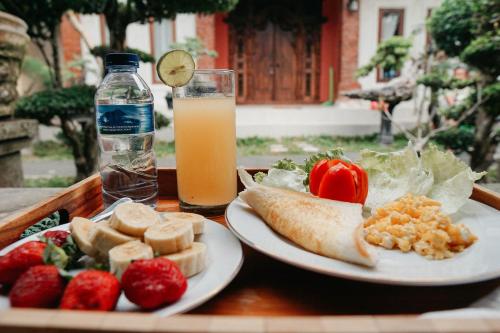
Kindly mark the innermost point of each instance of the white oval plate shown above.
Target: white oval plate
(225, 258)
(478, 263)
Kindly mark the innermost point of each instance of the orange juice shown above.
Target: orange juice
(205, 150)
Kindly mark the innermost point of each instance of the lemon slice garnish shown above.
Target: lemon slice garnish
(175, 68)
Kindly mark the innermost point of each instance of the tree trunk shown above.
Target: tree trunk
(432, 110)
(84, 152)
(54, 44)
(90, 145)
(386, 136)
(117, 32)
(482, 156)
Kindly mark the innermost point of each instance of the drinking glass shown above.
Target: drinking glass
(205, 141)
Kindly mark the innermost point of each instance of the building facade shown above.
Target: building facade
(284, 52)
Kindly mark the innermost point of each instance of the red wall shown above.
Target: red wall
(221, 42)
(330, 46)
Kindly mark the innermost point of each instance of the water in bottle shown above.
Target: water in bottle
(125, 127)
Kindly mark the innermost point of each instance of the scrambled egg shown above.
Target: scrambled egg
(417, 223)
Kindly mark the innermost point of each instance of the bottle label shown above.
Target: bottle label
(125, 118)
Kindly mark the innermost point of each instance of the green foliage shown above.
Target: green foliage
(36, 70)
(285, 164)
(164, 148)
(101, 51)
(391, 54)
(451, 25)
(459, 139)
(336, 153)
(438, 80)
(56, 181)
(42, 17)
(142, 10)
(44, 224)
(492, 94)
(52, 149)
(66, 102)
(484, 54)
(161, 120)
(195, 47)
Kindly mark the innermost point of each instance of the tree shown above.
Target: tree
(391, 55)
(73, 107)
(119, 14)
(470, 30)
(43, 19)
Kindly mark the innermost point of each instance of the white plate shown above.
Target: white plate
(225, 258)
(479, 262)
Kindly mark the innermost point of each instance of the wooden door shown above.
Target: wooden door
(261, 75)
(274, 70)
(274, 47)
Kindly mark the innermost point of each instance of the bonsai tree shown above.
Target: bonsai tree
(474, 37)
(391, 55)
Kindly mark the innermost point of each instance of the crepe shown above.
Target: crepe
(330, 228)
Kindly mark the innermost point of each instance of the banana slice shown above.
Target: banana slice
(104, 238)
(169, 237)
(190, 261)
(197, 220)
(80, 231)
(122, 255)
(133, 218)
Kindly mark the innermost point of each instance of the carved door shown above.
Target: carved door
(274, 48)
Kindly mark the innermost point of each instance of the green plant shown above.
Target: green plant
(38, 71)
(101, 51)
(195, 47)
(120, 13)
(470, 29)
(73, 108)
(391, 54)
(161, 120)
(164, 148)
(55, 181)
(51, 149)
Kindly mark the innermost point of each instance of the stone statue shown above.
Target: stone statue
(15, 134)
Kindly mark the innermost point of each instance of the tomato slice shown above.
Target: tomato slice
(338, 184)
(317, 173)
(361, 183)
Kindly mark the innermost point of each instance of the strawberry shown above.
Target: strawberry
(58, 237)
(92, 290)
(40, 286)
(151, 283)
(17, 261)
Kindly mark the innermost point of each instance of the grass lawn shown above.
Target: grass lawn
(251, 146)
(54, 181)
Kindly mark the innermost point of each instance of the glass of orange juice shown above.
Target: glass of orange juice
(205, 141)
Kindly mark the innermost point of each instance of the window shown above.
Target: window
(390, 23)
(162, 36)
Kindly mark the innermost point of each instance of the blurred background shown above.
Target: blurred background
(311, 75)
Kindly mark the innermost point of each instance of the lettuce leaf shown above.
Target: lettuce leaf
(436, 174)
(284, 174)
(392, 175)
(453, 179)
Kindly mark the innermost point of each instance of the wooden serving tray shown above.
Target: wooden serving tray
(266, 296)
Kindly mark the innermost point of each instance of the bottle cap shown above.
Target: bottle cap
(121, 59)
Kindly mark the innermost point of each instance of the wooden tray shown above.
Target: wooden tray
(270, 295)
